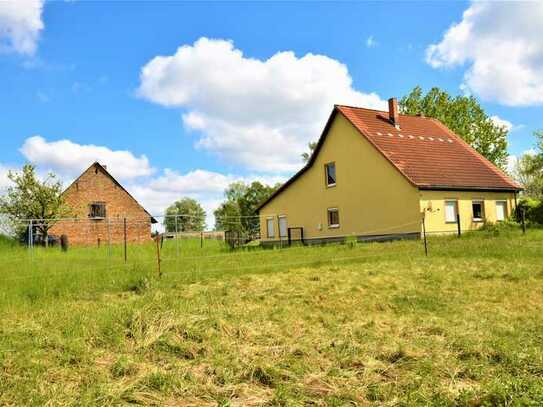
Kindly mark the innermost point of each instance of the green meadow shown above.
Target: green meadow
(351, 324)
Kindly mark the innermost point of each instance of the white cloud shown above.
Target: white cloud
(70, 159)
(256, 113)
(155, 192)
(20, 25)
(498, 121)
(502, 43)
(4, 180)
(371, 42)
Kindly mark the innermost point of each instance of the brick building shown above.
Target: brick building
(99, 206)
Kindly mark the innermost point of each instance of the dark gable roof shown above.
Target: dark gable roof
(101, 167)
(423, 150)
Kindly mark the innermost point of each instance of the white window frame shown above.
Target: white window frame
(333, 184)
(500, 202)
(482, 203)
(281, 235)
(455, 202)
(270, 232)
(330, 225)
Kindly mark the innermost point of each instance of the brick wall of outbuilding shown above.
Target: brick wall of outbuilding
(95, 185)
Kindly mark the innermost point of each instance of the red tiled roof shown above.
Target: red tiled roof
(423, 150)
(426, 152)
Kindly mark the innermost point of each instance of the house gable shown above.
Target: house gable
(424, 151)
(97, 185)
(370, 192)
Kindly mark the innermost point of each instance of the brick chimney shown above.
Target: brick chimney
(393, 114)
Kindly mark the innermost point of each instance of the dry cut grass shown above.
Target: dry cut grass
(461, 327)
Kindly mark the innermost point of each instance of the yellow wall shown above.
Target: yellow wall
(434, 203)
(372, 196)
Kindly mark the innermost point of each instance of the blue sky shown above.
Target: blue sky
(227, 107)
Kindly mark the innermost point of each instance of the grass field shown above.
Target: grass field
(336, 325)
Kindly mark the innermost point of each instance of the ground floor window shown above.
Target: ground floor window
(269, 228)
(478, 210)
(283, 229)
(501, 210)
(451, 211)
(333, 218)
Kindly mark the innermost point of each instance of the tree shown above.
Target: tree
(30, 198)
(228, 217)
(530, 179)
(192, 217)
(238, 212)
(464, 116)
(307, 155)
(528, 170)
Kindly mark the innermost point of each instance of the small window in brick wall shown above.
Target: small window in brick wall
(97, 210)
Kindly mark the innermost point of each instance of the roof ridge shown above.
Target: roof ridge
(381, 111)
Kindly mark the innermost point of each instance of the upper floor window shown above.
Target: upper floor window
(478, 209)
(330, 172)
(97, 210)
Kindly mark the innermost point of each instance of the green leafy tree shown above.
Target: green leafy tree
(307, 155)
(530, 178)
(238, 212)
(528, 170)
(464, 116)
(228, 217)
(31, 198)
(192, 217)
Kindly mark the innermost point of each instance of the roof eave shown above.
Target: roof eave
(468, 188)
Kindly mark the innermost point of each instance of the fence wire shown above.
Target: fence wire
(121, 247)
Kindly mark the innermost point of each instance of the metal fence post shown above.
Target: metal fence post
(176, 238)
(458, 224)
(201, 239)
(289, 237)
(424, 233)
(523, 219)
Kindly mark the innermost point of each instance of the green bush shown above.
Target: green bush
(498, 228)
(533, 209)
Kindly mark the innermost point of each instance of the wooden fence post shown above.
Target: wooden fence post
(157, 238)
(125, 256)
(424, 234)
(523, 218)
(201, 239)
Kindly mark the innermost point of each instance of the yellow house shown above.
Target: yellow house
(376, 175)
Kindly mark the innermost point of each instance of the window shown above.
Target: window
(450, 211)
(330, 170)
(333, 218)
(97, 210)
(501, 210)
(269, 228)
(478, 211)
(283, 232)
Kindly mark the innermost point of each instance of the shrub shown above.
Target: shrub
(533, 209)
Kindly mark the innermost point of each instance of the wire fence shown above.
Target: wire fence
(110, 247)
